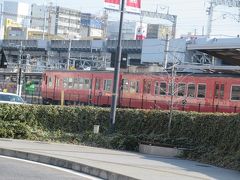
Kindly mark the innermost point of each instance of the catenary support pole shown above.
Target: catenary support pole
(19, 76)
(116, 71)
(171, 100)
(69, 54)
(166, 49)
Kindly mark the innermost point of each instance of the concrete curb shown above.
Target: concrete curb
(93, 171)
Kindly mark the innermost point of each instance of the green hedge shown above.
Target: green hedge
(212, 138)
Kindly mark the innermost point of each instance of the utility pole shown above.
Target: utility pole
(44, 22)
(49, 19)
(1, 24)
(210, 19)
(19, 77)
(171, 100)
(116, 71)
(239, 14)
(69, 54)
(203, 29)
(166, 49)
(105, 20)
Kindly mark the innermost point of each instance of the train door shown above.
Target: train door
(146, 93)
(96, 89)
(56, 93)
(218, 96)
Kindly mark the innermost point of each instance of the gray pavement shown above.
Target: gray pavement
(15, 169)
(129, 165)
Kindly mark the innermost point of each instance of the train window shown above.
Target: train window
(46, 79)
(222, 91)
(75, 83)
(107, 85)
(57, 82)
(50, 82)
(201, 91)
(81, 83)
(181, 89)
(65, 82)
(235, 93)
(133, 86)
(147, 87)
(87, 84)
(216, 90)
(163, 88)
(137, 87)
(191, 90)
(156, 88)
(125, 85)
(170, 89)
(70, 83)
(97, 84)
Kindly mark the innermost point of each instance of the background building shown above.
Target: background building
(41, 17)
(17, 11)
(128, 31)
(138, 30)
(13, 30)
(158, 31)
(65, 23)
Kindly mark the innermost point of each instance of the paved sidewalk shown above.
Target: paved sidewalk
(132, 165)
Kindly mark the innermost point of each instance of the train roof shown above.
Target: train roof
(236, 75)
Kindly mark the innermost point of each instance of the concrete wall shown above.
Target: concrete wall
(160, 151)
(153, 51)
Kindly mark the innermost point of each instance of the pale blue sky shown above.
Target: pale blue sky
(191, 13)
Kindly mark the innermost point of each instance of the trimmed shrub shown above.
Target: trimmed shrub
(212, 138)
(14, 129)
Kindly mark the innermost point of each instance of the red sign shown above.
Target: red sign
(112, 1)
(134, 3)
(140, 37)
(134, 6)
(112, 4)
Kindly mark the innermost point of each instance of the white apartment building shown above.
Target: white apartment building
(65, 22)
(55, 20)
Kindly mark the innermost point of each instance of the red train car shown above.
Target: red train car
(191, 92)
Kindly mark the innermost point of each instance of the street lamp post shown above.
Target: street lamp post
(116, 71)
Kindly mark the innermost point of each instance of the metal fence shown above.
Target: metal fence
(100, 100)
(31, 97)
